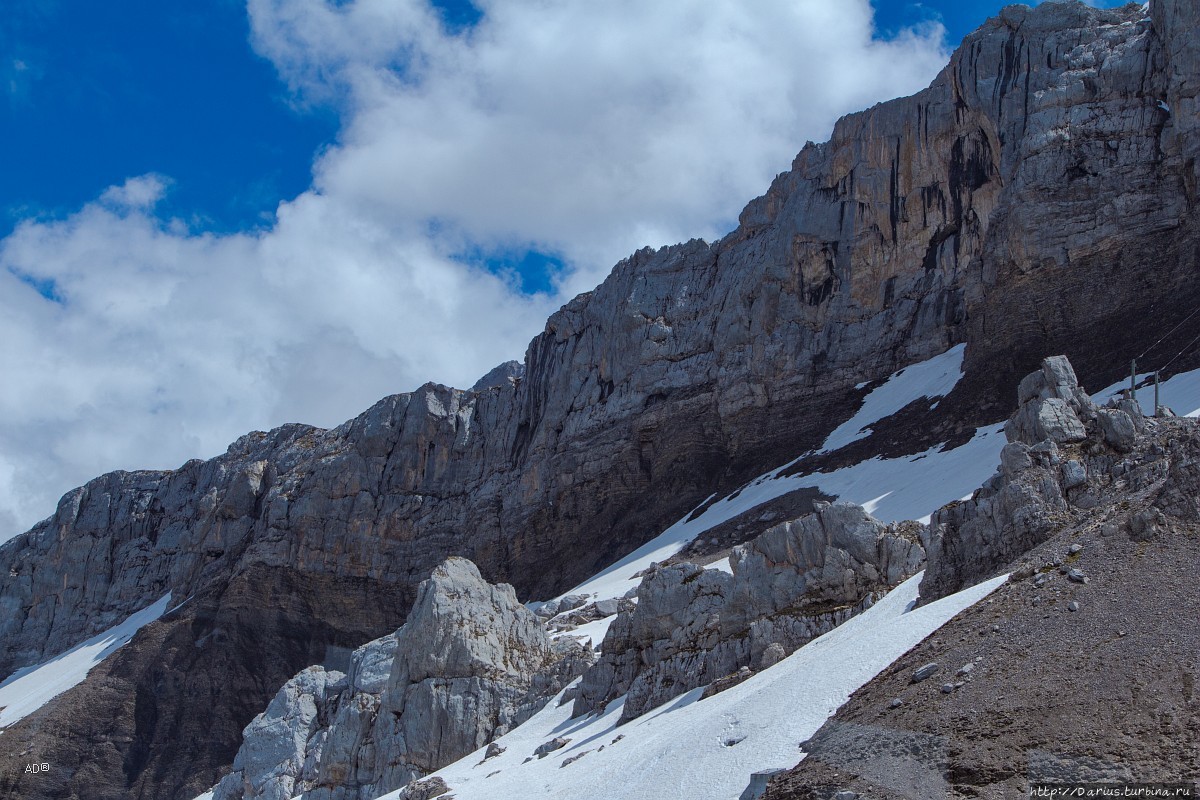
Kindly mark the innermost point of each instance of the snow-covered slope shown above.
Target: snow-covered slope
(706, 748)
(895, 489)
(28, 689)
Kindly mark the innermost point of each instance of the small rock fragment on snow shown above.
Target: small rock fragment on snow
(557, 743)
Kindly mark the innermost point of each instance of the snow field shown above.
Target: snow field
(706, 749)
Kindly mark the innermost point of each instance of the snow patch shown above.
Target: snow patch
(28, 689)
(1181, 393)
(892, 489)
(932, 379)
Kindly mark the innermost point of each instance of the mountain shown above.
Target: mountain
(1037, 198)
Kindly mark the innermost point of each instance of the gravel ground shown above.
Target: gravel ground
(1029, 690)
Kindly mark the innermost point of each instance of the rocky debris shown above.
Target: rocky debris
(726, 682)
(494, 750)
(568, 620)
(423, 789)
(546, 748)
(574, 758)
(1020, 714)
(693, 626)
(923, 672)
(470, 664)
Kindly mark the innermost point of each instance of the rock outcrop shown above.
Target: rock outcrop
(693, 626)
(1038, 197)
(470, 664)
(1062, 449)
(1077, 670)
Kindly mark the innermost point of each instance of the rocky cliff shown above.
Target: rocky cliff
(1038, 197)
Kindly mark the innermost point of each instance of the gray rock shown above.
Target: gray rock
(1075, 548)
(494, 750)
(557, 743)
(947, 688)
(923, 672)
(1073, 474)
(758, 783)
(1076, 576)
(271, 762)
(574, 758)
(1073, 606)
(694, 627)
(1015, 458)
(1118, 429)
(500, 377)
(423, 789)
(772, 655)
(688, 363)
(470, 664)
(606, 608)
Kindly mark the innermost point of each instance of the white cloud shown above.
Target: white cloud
(584, 129)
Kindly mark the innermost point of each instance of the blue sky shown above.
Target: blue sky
(222, 216)
(98, 92)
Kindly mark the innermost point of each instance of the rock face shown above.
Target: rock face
(693, 626)
(1038, 197)
(1049, 473)
(470, 664)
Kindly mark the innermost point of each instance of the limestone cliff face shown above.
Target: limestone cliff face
(1037, 197)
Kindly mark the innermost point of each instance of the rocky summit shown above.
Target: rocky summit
(1038, 198)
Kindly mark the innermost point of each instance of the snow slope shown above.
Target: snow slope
(895, 489)
(911, 487)
(706, 749)
(933, 378)
(1180, 393)
(28, 689)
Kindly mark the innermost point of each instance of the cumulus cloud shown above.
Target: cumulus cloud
(583, 130)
